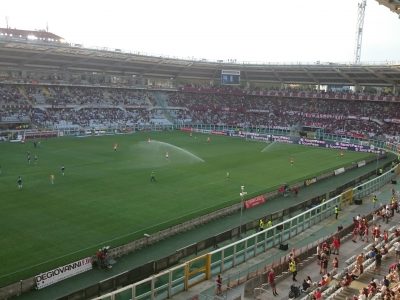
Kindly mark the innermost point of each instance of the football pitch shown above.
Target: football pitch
(107, 197)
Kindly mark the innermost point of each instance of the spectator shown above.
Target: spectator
(335, 264)
(356, 272)
(305, 286)
(336, 245)
(324, 264)
(219, 284)
(317, 294)
(360, 262)
(271, 281)
(378, 261)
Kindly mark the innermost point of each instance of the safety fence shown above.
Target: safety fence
(180, 278)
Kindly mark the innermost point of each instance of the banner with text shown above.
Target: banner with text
(361, 163)
(61, 273)
(254, 201)
(339, 171)
(307, 182)
(339, 145)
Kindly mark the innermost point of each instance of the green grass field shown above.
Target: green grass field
(106, 197)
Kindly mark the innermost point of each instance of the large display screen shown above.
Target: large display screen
(230, 77)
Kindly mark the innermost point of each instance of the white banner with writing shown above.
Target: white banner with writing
(61, 273)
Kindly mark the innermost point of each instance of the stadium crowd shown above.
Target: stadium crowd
(362, 276)
(84, 106)
(335, 116)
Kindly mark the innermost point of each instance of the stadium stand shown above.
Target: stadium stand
(94, 107)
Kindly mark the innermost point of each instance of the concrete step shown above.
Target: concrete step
(348, 292)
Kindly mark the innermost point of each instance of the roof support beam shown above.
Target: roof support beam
(346, 77)
(380, 76)
(309, 74)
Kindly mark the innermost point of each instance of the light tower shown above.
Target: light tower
(359, 32)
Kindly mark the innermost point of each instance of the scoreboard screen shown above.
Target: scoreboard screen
(230, 77)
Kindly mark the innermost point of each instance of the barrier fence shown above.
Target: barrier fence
(175, 280)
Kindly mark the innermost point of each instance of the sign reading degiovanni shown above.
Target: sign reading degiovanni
(61, 273)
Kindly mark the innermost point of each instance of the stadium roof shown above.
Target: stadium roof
(37, 55)
(393, 5)
(30, 34)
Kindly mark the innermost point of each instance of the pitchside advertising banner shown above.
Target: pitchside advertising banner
(264, 137)
(292, 140)
(339, 171)
(254, 201)
(361, 163)
(64, 272)
(310, 181)
(339, 145)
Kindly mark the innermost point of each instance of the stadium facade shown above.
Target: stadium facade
(27, 56)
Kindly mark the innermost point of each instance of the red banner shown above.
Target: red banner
(218, 132)
(254, 201)
(187, 129)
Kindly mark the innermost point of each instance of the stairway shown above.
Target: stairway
(22, 91)
(161, 101)
(347, 293)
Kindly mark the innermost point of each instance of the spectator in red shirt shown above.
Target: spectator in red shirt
(271, 281)
(317, 294)
(336, 245)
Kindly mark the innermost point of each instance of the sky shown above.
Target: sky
(287, 31)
